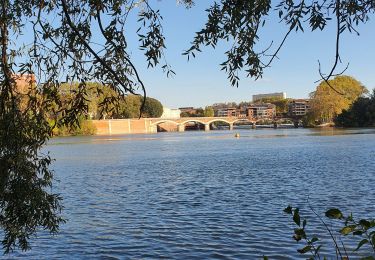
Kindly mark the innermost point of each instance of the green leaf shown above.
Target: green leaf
(334, 214)
(304, 223)
(296, 217)
(265, 257)
(360, 244)
(358, 233)
(348, 229)
(304, 250)
(314, 239)
(299, 233)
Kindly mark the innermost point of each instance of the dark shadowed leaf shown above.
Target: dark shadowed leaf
(304, 250)
(334, 214)
(296, 217)
(365, 224)
(360, 244)
(288, 210)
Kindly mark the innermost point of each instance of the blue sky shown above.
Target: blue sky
(200, 82)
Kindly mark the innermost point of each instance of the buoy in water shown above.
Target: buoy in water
(237, 135)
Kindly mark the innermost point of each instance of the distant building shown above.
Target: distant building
(225, 112)
(281, 95)
(261, 110)
(189, 110)
(171, 113)
(241, 112)
(298, 107)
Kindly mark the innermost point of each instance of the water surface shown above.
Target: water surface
(200, 195)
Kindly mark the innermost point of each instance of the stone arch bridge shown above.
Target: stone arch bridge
(150, 125)
(206, 121)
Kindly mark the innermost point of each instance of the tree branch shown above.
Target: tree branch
(100, 60)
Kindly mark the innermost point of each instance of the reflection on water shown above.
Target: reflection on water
(203, 195)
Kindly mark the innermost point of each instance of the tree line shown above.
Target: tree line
(99, 102)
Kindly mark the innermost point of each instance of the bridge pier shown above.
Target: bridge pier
(207, 127)
(231, 126)
(153, 128)
(181, 128)
(254, 125)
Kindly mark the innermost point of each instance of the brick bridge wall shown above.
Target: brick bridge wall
(122, 126)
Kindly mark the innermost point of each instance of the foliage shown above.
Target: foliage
(129, 108)
(84, 127)
(360, 114)
(185, 114)
(208, 112)
(120, 107)
(364, 229)
(199, 112)
(308, 120)
(26, 197)
(152, 108)
(326, 103)
(62, 48)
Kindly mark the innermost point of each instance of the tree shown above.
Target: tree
(152, 108)
(130, 108)
(326, 103)
(60, 50)
(63, 48)
(199, 112)
(360, 114)
(208, 112)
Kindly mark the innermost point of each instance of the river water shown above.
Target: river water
(204, 195)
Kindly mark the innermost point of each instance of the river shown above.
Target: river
(204, 195)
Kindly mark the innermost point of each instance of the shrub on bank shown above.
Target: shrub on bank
(85, 127)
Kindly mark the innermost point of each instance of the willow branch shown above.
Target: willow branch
(88, 47)
(126, 58)
(337, 51)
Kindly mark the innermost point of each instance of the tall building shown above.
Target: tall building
(261, 110)
(281, 95)
(298, 107)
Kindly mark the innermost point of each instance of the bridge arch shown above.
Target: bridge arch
(219, 120)
(193, 121)
(164, 121)
(243, 120)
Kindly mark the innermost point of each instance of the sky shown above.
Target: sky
(200, 82)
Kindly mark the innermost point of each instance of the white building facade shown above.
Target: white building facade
(170, 113)
(281, 95)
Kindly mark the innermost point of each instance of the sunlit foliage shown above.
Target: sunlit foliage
(326, 103)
